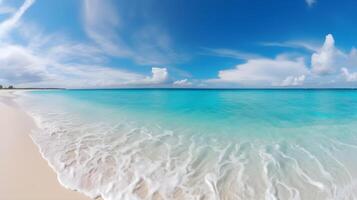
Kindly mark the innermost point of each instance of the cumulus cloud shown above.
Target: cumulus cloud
(159, 76)
(330, 67)
(332, 61)
(326, 60)
(264, 72)
(182, 83)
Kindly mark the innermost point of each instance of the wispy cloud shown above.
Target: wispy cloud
(230, 53)
(350, 77)
(52, 60)
(293, 81)
(5, 9)
(183, 83)
(310, 46)
(23, 67)
(310, 3)
(37, 58)
(7, 25)
(147, 44)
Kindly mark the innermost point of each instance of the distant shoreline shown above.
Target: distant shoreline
(33, 89)
(173, 88)
(232, 89)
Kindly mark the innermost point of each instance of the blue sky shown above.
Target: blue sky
(211, 43)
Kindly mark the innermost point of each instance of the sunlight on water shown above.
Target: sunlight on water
(200, 144)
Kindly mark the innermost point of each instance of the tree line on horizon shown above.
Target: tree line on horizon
(9, 87)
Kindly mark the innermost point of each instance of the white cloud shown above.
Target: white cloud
(21, 66)
(159, 76)
(148, 44)
(6, 9)
(264, 72)
(293, 81)
(230, 53)
(327, 59)
(310, 46)
(330, 60)
(51, 60)
(328, 63)
(182, 83)
(10, 23)
(310, 3)
(18, 64)
(350, 77)
(101, 24)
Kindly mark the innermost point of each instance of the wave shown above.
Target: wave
(123, 159)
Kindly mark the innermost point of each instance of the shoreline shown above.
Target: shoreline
(133, 157)
(24, 173)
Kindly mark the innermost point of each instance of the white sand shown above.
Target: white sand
(24, 174)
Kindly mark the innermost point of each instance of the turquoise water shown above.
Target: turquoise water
(200, 144)
(234, 109)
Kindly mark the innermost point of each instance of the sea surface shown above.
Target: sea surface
(199, 144)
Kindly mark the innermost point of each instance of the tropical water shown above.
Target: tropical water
(200, 144)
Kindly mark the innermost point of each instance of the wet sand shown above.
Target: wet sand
(24, 174)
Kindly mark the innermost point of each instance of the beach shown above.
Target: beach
(179, 144)
(24, 174)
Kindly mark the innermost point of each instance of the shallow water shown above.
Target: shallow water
(200, 144)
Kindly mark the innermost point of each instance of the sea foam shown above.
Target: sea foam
(119, 157)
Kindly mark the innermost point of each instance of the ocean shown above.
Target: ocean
(199, 144)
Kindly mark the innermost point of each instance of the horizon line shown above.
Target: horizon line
(184, 88)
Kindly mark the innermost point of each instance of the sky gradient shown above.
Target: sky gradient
(211, 43)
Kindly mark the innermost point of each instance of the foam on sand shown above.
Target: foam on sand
(119, 157)
(24, 174)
